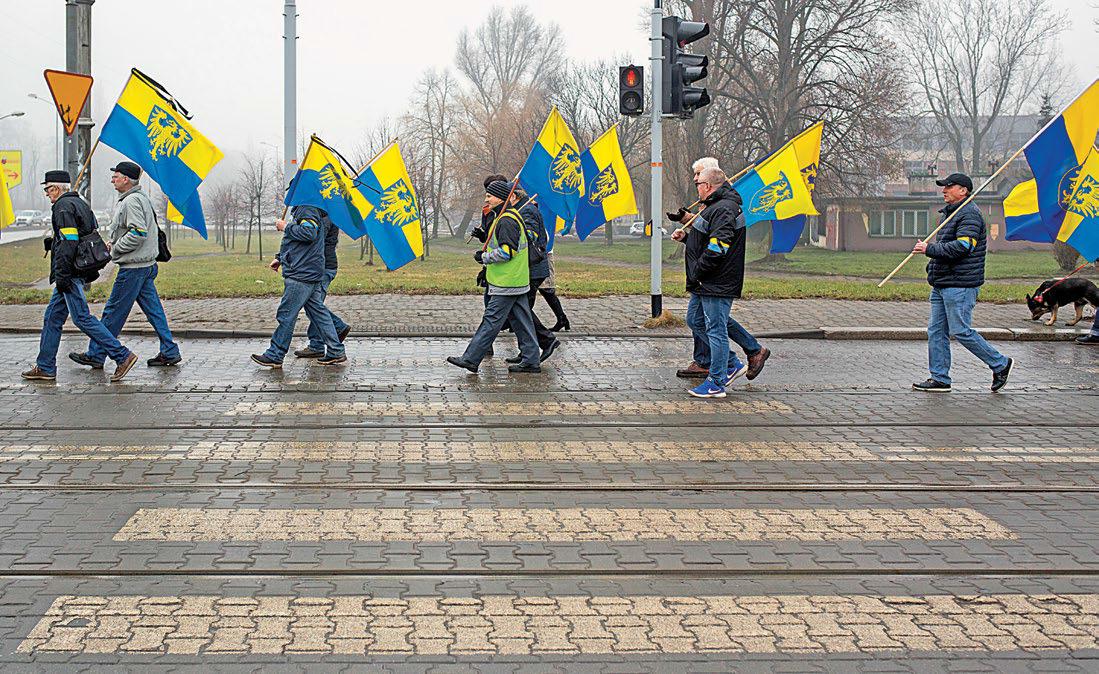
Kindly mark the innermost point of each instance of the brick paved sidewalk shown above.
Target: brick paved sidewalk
(460, 314)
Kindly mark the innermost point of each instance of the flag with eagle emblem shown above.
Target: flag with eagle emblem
(151, 128)
(552, 169)
(394, 224)
(608, 191)
(323, 182)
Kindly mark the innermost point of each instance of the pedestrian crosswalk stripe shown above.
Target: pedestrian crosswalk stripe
(541, 625)
(558, 524)
(480, 409)
(579, 451)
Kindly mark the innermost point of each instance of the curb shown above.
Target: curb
(832, 333)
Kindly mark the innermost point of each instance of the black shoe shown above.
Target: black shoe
(160, 360)
(524, 368)
(932, 386)
(561, 324)
(342, 334)
(464, 364)
(513, 359)
(548, 351)
(332, 360)
(1087, 339)
(308, 353)
(1000, 378)
(84, 359)
(489, 353)
(263, 360)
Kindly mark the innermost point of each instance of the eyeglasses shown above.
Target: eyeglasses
(47, 189)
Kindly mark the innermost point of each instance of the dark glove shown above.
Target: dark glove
(64, 285)
(478, 255)
(47, 243)
(678, 215)
(479, 233)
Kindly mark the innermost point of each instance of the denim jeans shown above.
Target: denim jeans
(499, 309)
(61, 306)
(316, 343)
(696, 321)
(715, 329)
(297, 295)
(1095, 325)
(132, 285)
(951, 312)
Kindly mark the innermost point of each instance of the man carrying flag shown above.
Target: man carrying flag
(301, 258)
(715, 275)
(955, 272)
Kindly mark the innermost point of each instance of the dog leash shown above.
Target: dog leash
(1038, 297)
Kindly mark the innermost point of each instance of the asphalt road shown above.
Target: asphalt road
(399, 513)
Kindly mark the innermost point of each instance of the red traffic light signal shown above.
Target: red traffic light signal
(631, 90)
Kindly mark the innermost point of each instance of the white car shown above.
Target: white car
(28, 218)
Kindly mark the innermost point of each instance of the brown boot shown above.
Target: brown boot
(693, 371)
(124, 367)
(756, 362)
(35, 373)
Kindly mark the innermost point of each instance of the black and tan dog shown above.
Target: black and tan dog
(1053, 294)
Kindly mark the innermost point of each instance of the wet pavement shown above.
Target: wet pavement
(399, 513)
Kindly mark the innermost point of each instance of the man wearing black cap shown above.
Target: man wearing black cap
(134, 246)
(955, 271)
(72, 220)
(508, 276)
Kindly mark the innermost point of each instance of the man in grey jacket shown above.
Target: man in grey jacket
(133, 244)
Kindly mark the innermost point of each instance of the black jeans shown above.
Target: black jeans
(545, 337)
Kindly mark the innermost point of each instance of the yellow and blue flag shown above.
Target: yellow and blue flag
(394, 224)
(1080, 228)
(1058, 151)
(151, 128)
(323, 182)
(552, 169)
(608, 191)
(7, 213)
(776, 188)
(1022, 222)
(786, 232)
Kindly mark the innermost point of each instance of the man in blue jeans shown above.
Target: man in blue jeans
(315, 348)
(955, 272)
(72, 219)
(700, 362)
(714, 257)
(1092, 338)
(301, 258)
(134, 245)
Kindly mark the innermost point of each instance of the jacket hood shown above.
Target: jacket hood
(723, 192)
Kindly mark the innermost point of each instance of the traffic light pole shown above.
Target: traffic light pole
(656, 203)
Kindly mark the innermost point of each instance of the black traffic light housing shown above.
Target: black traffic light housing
(681, 69)
(631, 90)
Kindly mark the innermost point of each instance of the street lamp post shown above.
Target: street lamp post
(17, 113)
(56, 133)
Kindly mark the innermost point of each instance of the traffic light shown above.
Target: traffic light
(682, 68)
(631, 90)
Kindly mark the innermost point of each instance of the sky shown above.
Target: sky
(358, 60)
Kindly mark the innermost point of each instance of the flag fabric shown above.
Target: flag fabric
(552, 169)
(776, 189)
(323, 182)
(608, 191)
(7, 213)
(786, 232)
(394, 224)
(1022, 222)
(1057, 152)
(151, 129)
(1080, 228)
(172, 214)
(553, 223)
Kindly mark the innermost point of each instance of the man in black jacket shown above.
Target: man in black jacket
(955, 272)
(72, 220)
(714, 258)
(315, 348)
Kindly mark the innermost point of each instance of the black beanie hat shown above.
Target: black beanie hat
(499, 189)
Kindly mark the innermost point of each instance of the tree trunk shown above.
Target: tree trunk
(1066, 256)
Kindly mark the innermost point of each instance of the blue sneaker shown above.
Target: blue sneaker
(708, 389)
(738, 368)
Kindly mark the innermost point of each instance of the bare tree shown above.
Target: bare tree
(972, 74)
(258, 184)
(430, 126)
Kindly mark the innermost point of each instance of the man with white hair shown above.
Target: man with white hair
(134, 244)
(72, 220)
(700, 364)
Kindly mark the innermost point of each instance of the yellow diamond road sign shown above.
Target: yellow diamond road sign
(11, 162)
